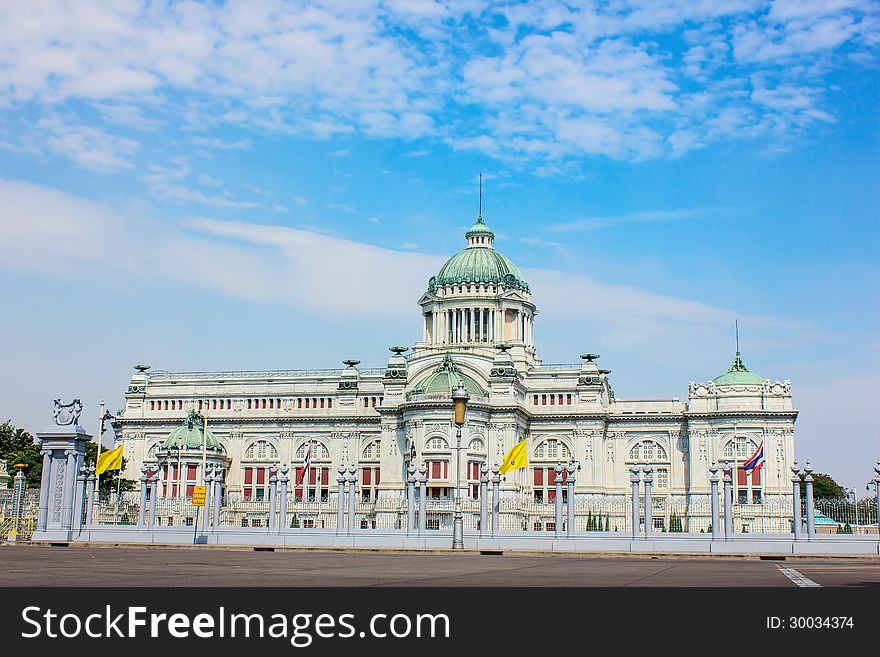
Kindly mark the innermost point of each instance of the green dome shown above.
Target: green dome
(479, 263)
(480, 228)
(189, 435)
(738, 375)
(443, 380)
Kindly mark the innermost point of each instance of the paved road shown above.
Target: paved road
(77, 566)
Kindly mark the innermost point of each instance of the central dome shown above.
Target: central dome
(444, 379)
(479, 263)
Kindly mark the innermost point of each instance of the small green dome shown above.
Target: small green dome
(189, 435)
(480, 228)
(738, 375)
(443, 380)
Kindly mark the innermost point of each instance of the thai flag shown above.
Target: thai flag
(755, 461)
(306, 462)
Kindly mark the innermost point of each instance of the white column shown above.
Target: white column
(473, 333)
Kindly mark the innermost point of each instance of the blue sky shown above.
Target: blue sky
(270, 185)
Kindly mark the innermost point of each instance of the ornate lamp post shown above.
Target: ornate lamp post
(460, 399)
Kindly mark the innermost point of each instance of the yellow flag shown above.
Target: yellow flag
(110, 460)
(515, 459)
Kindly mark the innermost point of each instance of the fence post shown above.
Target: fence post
(713, 480)
(423, 499)
(273, 495)
(218, 496)
(142, 511)
(153, 487)
(649, 502)
(634, 482)
(796, 500)
(79, 494)
(90, 486)
(209, 504)
(558, 500)
(496, 499)
(808, 485)
(340, 500)
(410, 498)
(571, 475)
(484, 502)
(19, 484)
(352, 492)
(728, 501)
(282, 503)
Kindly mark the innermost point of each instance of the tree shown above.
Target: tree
(294, 522)
(18, 446)
(110, 477)
(824, 487)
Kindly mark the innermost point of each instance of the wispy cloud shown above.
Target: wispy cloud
(648, 216)
(90, 147)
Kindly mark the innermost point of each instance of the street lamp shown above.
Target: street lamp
(460, 399)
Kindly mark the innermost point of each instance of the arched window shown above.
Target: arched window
(553, 449)
(319, 451)
(261, 450)
(436, 444)
(647, 451)
(745, 447)
(476, 445)
(316, 482)
(371, 451)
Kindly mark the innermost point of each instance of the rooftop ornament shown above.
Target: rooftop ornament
(141, 368)
(397, 350)
(66, 415)
(589, 357)
(351, 362)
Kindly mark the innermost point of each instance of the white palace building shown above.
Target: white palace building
(478, 328)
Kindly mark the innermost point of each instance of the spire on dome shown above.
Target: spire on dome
(480, 234)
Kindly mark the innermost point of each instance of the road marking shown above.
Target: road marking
(796, 577)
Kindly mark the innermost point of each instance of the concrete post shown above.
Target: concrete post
(19, 484)
(649, 501)
(63, 449)
(410, 498)
(79, 494)
(713, 479)
(423, 499)
(282, 502)
(570, 501)
(153, 494)
(273, 495)
(796, 500)
(634, 477)
(90, 498)
(142, 510)
(209, 489)
(484, 501)
(808, 484)
(728, 501)
(558, 500)
(218, 495)
(340, 500)
(352, 492)
(496, 499)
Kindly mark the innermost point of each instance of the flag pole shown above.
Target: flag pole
(100, 440)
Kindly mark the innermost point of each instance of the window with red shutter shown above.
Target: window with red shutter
(756, 477)
(191, 472)
(543, 400)
(261, 475)
(376, 470)
(560, 399)
(435, 469)
(741, 477)
(539, 476)
(329, 403)
(568, 399)
(313, 476)
(248, 476)
(299, 403)
(552, 400)
(325, 476)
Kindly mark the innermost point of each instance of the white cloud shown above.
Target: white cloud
(88, 146)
